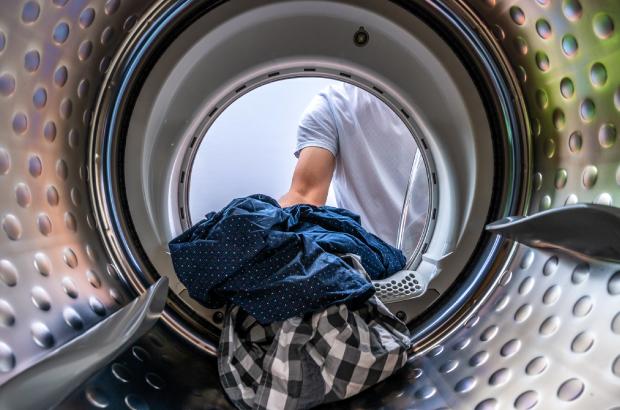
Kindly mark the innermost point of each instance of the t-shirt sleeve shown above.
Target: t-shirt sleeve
(317, 126)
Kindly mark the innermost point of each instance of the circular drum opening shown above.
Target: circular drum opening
(434, 66)
(254, 144)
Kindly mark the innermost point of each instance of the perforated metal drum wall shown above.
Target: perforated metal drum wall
(547, 338)
(54, 278)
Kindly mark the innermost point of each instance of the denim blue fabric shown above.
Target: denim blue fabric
(276, 263)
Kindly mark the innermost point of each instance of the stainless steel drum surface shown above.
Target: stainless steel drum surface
(546, 338)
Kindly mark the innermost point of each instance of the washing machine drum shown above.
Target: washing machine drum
(514, 109)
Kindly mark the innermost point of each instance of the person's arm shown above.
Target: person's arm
(311, 178)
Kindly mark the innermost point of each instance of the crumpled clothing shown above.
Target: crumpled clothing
(279, 263)
(303, 362)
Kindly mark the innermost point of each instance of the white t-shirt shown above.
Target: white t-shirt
(374, 154)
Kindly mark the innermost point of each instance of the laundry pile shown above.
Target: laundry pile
(302, 325)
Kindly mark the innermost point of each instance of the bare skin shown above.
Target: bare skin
(311, 178)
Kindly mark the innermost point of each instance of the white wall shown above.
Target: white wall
(249, 148)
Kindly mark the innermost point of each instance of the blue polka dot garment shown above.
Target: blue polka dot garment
(276, 263)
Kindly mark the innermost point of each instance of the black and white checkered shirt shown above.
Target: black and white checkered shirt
(300, 363)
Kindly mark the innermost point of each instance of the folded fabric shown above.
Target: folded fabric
(279, 263)
(303, 362)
